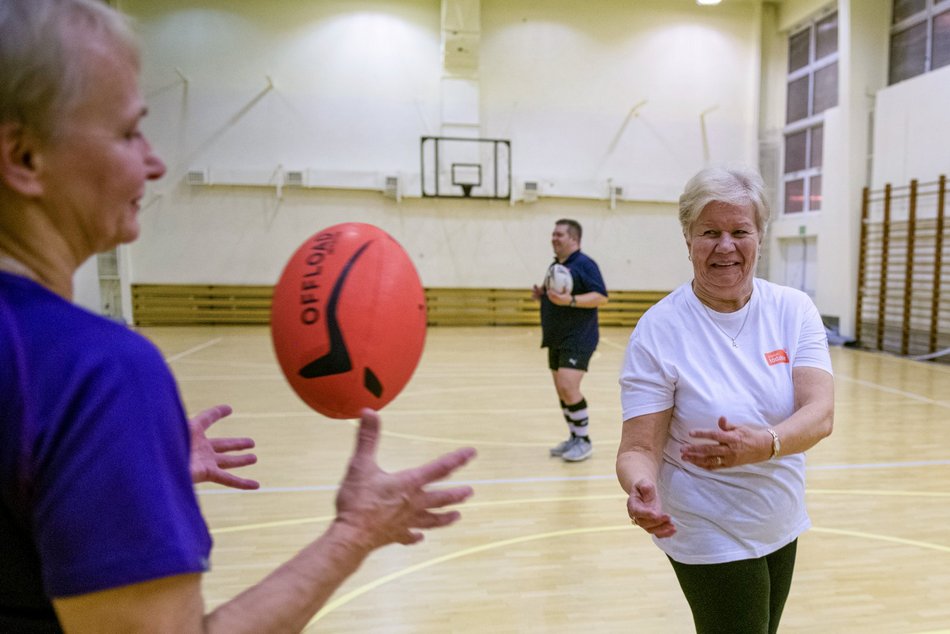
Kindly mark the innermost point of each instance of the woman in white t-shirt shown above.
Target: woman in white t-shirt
(725, 383)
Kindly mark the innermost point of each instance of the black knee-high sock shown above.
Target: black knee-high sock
(567, 418)
(577, 418)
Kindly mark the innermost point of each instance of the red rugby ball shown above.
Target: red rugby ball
(348, 319)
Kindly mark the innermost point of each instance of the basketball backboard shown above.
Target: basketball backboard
(459, 167)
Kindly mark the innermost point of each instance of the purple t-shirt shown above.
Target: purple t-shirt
(95, 490)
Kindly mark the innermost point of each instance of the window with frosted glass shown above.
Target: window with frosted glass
(812, 88)
(803, 149)
(920, 38)
(826, 88)
(803, 159)
(814, 193)
(817, 139)
(908, 53)
(904, 9)
(796, 151)
(941, 37)
(797, 100)
(826, 36)
(798, 51)
(794, 196)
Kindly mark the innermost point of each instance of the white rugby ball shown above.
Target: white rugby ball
(558, 279)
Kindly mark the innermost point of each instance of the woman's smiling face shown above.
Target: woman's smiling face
(723, 245)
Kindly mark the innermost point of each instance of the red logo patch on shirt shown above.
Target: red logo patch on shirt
(776, 356)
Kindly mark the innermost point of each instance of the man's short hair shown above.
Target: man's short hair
(573, 228)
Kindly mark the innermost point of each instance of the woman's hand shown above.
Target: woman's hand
(732, 445)
(383, 507)
(643, 507)
(213, 458)
(638, 465)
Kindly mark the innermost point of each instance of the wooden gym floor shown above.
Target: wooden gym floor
(546, 546)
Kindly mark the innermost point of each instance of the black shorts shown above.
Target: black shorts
(569, 358)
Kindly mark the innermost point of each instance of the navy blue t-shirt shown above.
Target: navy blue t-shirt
(95, 488)
(574, 328)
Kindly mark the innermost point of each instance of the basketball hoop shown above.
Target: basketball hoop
(471, 168)
(466, 176)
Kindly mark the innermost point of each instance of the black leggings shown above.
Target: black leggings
(738, 597)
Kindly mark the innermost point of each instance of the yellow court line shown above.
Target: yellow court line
(564, 498)
(571, 498)
(252, 527)
(541, 381)
(462, 507)
(883, 538)
(346, 598)
(465, 441)
(358, 592)
(925, 494)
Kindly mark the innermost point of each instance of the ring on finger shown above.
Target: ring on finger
(718, 461)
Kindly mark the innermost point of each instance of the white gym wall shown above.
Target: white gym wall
(345, 92)
(636, 94)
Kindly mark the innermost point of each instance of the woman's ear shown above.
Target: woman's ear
(19, 160)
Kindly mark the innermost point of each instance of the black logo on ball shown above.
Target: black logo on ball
(337, 359)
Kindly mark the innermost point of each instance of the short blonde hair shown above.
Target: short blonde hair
(734, 186)
(43, 73)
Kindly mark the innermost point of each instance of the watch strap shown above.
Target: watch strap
(776, 443)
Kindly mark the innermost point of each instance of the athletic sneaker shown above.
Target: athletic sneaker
(580, 449)
(558, 450)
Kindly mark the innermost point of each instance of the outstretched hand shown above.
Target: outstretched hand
(211, 457)
(390, 507)
(643, 507)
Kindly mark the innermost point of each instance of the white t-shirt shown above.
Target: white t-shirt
(677, 357)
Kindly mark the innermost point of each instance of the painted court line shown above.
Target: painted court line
(880, 465)
(587, 478)
(408, 570)
(207, 344)
(241, 528)
(891, 390)
(521, 502)
(346, 598)
(613, 345)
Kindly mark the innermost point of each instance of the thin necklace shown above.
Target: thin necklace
(716, 323)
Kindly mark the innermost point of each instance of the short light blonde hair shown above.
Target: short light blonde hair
(733, 186)
(43, 72)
